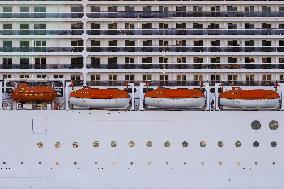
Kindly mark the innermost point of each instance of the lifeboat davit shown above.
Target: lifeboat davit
(250, 99)
(175, 98)
(26, 93)
(100, 98)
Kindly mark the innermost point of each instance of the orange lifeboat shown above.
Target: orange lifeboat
(100, 98)
(26, 93)
(256, 98)
(175, 98)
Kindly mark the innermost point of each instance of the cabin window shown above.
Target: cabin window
(167, 144)
(220, 144)
(113, 144)
(273, 144)
(255, 125)
(255, 144)
(184, 144)
(203, 144)
(75, 144)
(57, 145)
(96, 144)
(273, 125)
(238, 144)
(39, 144)
(131, 144)
(149, 144)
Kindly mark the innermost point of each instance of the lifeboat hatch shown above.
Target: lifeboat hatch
(39, 125)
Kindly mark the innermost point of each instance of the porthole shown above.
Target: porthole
(255, 125)
(238, 144)
(131, 144)
(57, 145)
(220, 162)
(273, 125)
(96, 144)
(149, 144)
(39, 144)
(75, 163)
(184, 144)
(167, 144)
(273, 144)
(255, 144)
(113, 144)
(202, 144)
(256, 163)
(131, 163)
(220, 144)
(75, 144)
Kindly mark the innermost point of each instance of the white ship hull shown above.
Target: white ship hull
(24, 165)
(250, 104)
(119, 103)
(175, 103)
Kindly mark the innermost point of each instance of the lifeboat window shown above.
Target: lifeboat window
(238, 144)
(149, 144)
(255, 144)
(255, 125)
(273, 125)
(220, 144)
(75, 145)
(113, 144)
(184, 144)
(167, 144)
(131, 144)
(39, 144)
(273, 144)
(203, 144)
(96, 144)
(57, 145)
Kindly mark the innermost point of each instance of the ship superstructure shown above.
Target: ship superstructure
(141, 94)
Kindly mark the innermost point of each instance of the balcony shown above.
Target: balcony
(41, 32)
(173, 31)
(169, 14)
(202, 66)
(41, 15)
(37, 66)
(185, 49)
(41, 49)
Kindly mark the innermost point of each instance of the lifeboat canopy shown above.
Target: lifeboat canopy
(25, 93)
(247, 99)
(100, 98)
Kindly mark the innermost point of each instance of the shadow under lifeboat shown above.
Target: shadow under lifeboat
(175, 98)
(88, 97)
(25, 93)
(249, 99)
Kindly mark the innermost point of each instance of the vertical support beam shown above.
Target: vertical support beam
(141, 96)
(281, 91)
(208, 94)
(66, 95)
(132, 96)
(216, 104)
(1, 95)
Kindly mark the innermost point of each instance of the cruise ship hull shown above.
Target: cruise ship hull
(56, 150)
